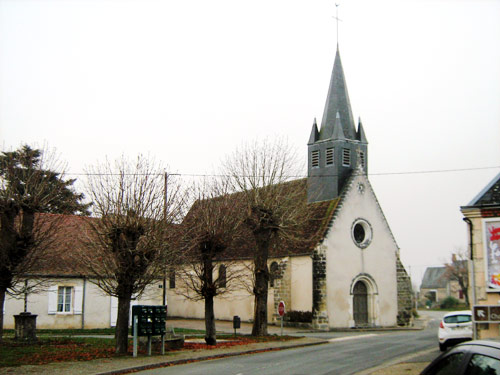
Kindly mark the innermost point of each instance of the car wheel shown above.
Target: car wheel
(442, 347)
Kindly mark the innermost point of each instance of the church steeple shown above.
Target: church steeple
(338, 148)
(314, 133)
(337, 102)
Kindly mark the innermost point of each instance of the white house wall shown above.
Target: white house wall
(238, 302)
(94, 313)
(241, 302)
(346, 261)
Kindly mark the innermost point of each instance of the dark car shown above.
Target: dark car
(469, 358)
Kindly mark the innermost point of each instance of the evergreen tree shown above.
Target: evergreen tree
(28, 188)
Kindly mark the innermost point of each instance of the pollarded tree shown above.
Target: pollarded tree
(32, 185)
(207, 232)
(458, 270)
(273, 207)
(127, 243)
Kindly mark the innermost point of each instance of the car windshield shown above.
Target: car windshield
(457, 319)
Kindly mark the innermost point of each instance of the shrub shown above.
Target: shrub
(449, 303)
(298, 316)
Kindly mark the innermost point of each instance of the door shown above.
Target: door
(360, 304)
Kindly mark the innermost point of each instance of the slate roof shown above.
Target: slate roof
(337, 103)
(489, 196)
(434, 278)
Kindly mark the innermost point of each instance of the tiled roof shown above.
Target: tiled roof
(306, 236)
(59, 257)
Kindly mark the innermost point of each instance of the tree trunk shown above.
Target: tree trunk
(121, 332)
(210, 335)
(465, 291)
(2, 302)
(261, 283)
(208, 295)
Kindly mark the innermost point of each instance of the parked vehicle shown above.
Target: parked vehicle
(469, 358)
(455, 327)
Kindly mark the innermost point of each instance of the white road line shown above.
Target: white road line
(345, 338)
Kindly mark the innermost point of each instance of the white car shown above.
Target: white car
(455, 327)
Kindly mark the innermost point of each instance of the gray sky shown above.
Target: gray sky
(188, 81)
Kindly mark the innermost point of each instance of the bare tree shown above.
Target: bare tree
(32, 187)
(206, 234)
(458, 270)
(273, 207)
(127, 244)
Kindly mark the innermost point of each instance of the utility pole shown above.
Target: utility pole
(165, 197)
(165, 218)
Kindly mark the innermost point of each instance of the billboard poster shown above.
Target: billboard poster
(492, 236)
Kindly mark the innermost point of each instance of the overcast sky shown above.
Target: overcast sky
(188, 81)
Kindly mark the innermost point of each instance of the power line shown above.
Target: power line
(291, 176)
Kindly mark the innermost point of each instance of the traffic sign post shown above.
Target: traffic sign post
(486, 314)
(281, 311)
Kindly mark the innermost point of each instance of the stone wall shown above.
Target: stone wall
(405, 295)
(320, 313)
(282, 287)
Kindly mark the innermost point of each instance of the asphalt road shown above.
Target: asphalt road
(343, 355)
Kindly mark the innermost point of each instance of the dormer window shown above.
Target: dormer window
(315, 159)
(346, 157)
(329, 156)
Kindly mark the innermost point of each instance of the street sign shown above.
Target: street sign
(486, 314)
(281, 308)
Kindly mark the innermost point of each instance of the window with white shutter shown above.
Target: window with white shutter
(53, 299)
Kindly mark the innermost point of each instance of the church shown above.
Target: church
(352, 275)
(347, 274)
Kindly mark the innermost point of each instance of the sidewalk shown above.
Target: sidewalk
(409, 366)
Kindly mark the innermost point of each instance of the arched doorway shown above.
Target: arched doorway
(360, 304)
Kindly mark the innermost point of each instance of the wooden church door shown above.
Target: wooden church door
(360, 304)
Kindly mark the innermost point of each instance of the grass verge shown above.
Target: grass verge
(70, 348)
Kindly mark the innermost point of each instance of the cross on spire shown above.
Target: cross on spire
(338, 19)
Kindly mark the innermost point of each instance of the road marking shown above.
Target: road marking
(345, 338)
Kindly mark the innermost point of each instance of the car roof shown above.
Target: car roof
(488, 343)
(463, 312)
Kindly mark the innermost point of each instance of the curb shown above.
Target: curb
(206, 358)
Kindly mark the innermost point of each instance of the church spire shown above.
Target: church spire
(314, 133)
(337, 101)
(338, 149)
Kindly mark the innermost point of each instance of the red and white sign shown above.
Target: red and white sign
(281, 308)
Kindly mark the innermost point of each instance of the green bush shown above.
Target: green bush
(449, 303)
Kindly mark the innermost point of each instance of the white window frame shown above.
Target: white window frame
(76, 302)
(65, 293)
(368, 233)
